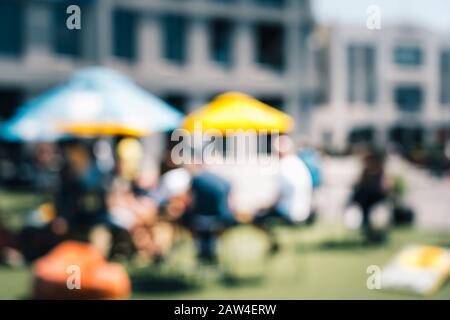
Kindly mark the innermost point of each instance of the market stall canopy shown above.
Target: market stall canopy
(234, 111)
(95, 101)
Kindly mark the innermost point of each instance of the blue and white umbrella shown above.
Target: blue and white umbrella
(94, 101)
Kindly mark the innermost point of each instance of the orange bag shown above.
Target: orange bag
(98, 278)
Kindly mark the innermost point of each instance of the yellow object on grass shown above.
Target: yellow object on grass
(427, 257)
(238, 111)
(418, 269)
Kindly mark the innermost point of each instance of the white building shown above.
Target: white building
(383, 85)
(183, 51)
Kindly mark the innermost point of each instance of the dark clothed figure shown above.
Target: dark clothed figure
(370, 188)
(82, 198)
(209, 212)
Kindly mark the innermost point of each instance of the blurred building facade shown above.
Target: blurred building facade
(183, 51)
(388, 85)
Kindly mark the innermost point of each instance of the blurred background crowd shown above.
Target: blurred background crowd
(360, 144)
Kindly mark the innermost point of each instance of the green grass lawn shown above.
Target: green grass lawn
(320, 262)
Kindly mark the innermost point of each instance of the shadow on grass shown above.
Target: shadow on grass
(158, 283)
(236, 283)
(341, 245)
(337, 245)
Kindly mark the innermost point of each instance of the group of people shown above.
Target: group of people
(108, 194)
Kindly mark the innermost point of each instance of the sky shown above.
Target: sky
(433, 14)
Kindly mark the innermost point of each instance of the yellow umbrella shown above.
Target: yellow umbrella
(234, 111)
(107, 129)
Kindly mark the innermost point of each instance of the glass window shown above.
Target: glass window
(178, 101)
(221, 41)
(224, 1)
(11, 24)
(362, 135)
(408, 56)
(10, 99)
(409, 98)
(270, 45)
(174, 37)
(124, 34)
(361, 70)
(306, 30)
(271, 3)
(65, 41)
(407, 136)
(444, 70)
(275, 102)
(351, 65)
(370, 75)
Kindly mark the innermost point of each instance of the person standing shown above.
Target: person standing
(371, 190)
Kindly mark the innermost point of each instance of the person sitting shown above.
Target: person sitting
(10, 251)
(131, 215)
(209, 211)
(294, 200)
(81, 200)
(79, 204)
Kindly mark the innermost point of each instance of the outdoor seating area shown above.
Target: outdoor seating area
(224, 150)
(213, 214)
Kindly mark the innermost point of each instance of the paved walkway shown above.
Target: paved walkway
(429, 196)
(255, 187)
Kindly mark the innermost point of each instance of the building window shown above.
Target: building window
(407, 137)
(275, 102)
(271, 3)
(409, 98)
(178, 101)
(65, 41)
(362, 135)
(370, 75)
(408, 56)
(10, 99)
(351, 71)
(361, 70)
(306, 29)
(124, 34)
(270, 46)
(221, 41)
(11, 24)
(444, 70)
(224, 1)
(174, 37)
